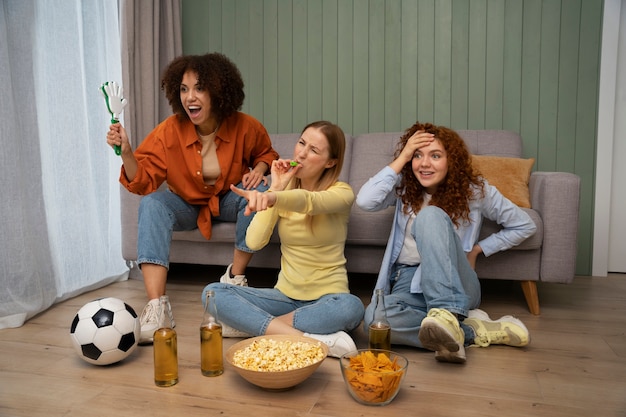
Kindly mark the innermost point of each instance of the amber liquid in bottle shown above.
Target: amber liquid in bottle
(379, 328)
(211, 359)
(380, 336)
(165, 357)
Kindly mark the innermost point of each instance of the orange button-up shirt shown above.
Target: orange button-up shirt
(172, 153)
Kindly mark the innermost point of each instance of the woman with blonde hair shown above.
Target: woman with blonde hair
(310, 208)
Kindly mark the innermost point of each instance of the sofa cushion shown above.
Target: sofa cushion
(509, 175)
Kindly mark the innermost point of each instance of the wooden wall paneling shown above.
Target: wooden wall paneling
(442, 62)
(285, 71)
(408, 65)
(586, 121)
(549, 92)
(314, 61)
(531, 58)
(477, 64)
(512, 66)
(376, 63)
(459, 94)
(425, 59)
(345, 65)
(361, 68)
(392, 61)
(530, 66)
(300, 65)
(494, 65)
(268, 55)
(329, 61)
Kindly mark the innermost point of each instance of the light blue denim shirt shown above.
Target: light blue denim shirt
(378, 193)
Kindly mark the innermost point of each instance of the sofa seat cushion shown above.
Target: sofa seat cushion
(222, 232)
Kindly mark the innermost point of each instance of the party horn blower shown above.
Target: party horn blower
(114, 98)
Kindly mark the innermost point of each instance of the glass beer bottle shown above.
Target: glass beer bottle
(211, 358)
(379, 328)
(165, 347)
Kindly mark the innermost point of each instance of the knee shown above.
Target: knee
(150, 203)
(216, 287)
(431, 217)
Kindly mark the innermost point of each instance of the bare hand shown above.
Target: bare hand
(116, 136)
(415, 142)
(252, 179)
(282, 172)
(473, 255)
(257, 201)
(419, 140)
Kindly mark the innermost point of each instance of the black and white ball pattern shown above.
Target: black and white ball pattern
(105, 331)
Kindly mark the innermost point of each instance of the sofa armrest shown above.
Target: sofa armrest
(556, 196)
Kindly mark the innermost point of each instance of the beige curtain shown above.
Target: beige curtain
(151, 37)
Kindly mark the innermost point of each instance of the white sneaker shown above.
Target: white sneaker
(149, 321)
(236, 280)
(228, 331)
(338, 343)
(478, 314)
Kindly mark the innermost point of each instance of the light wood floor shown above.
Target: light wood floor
(574, 366)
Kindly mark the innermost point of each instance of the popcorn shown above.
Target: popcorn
(269, 355)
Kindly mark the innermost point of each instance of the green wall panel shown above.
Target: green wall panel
(530, 66)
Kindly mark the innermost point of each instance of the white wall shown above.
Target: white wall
(609, 245)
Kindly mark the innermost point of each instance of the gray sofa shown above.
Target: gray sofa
(548, 256)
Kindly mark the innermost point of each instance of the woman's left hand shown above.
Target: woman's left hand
(473, 255)
(257, 201)
(253, 178)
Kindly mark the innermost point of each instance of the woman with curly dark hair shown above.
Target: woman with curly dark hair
(203, 148)
(432, 291)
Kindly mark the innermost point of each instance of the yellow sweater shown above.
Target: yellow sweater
(313, 262)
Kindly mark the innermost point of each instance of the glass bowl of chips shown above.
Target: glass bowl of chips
(373, 377)
(276, 362)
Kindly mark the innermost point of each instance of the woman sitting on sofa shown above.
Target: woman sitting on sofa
(311, 208)
(428, 268)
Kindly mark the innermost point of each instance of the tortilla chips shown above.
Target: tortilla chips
(373, 378)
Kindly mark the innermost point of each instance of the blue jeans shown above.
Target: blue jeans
(162, 213)
(447, 280)
(252, 309)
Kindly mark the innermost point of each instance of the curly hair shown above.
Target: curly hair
(216, 73)
(455, 191)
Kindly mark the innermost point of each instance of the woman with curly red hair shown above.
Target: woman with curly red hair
(203, 148)
(432, 291)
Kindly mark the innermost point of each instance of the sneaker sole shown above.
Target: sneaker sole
(446, 348)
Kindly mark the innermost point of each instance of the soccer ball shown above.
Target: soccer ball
(105, 331)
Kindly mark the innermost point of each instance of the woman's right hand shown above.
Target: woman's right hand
(282, 173)
(117, 136)
(417, 141)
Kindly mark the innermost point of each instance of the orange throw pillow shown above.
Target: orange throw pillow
(509, 175)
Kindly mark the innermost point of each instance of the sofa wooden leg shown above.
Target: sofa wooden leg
(531, 295)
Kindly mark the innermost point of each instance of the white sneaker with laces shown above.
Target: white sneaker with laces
(149, 321)
(236, 280)
(338, 343)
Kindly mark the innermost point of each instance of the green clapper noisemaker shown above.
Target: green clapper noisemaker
(114, 97)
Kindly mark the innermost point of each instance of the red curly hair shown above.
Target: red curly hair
(216, 73)
(455, 191)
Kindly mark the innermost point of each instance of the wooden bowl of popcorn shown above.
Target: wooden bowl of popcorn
(276, 362)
